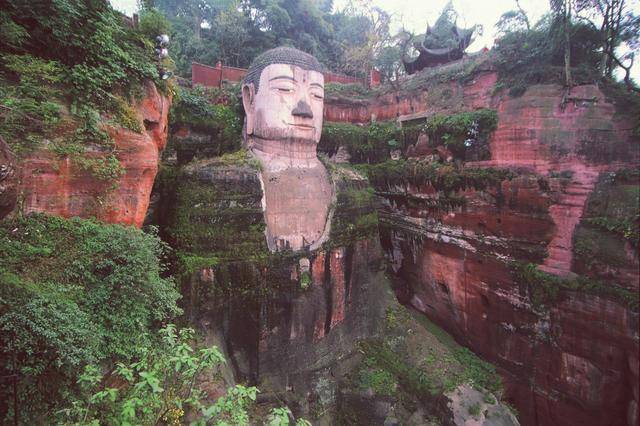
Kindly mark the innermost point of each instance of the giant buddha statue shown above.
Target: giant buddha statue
(285, 309)
(283, 96)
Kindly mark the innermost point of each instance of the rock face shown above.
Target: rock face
(567, 352)
(8, 180)
(279, 312)
(566, 359)
(294, 323)
(58, 186)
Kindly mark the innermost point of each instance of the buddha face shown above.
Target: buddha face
(288, 104)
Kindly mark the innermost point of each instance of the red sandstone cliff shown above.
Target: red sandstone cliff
(57, 186)
(574, 360)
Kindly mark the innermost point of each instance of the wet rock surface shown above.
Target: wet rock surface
(8, 180)
(58, 186)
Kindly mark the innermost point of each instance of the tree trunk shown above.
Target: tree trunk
(524, 15)
(567, 44)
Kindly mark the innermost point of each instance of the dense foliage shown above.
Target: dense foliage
(465, 134)
(236, 31)
(448, 178)
(536, 56)
(365, 144)
(212, 112)
(158, 387)
(62, 82)
(73, 291)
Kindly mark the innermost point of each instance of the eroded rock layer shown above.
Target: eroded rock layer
(533, 272)
(318, 329)
(58, 185)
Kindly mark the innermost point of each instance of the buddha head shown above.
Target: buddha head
(283, 98)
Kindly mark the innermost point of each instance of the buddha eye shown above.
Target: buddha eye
(317, 96)
(284, 89)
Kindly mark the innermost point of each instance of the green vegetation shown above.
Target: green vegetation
(158, 386)
(474, 410)
(212, 112)
(74, 292)
(545, 289)
(365, 144)
(212, 220)
(609, 227)
(344, 40)
(462, 72)
(381, 382)
(350, 92)
(465, 134)
(447, 178)
(442, 365)
(355, 217)
(613, 205)
(305, 280)
(524, 58)
(64, 82)
(572, 47)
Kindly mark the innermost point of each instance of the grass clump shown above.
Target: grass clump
(474, 410)
(447, 178)
(465, 134)
(545, 289)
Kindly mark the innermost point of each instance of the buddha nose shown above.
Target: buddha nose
(302, 109)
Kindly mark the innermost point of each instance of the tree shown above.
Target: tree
(231, 34)
(618, 26)
(562, 13)
(514, 20)
(372, 32)
(389, 64)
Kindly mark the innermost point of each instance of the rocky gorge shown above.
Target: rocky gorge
(515, 232)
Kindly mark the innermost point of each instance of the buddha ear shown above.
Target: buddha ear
(248, 96)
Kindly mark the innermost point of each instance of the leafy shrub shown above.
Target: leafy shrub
(205, 111)
(73, 291)
(69, 55)
(158, 387)
(545, 289)
(525, 58)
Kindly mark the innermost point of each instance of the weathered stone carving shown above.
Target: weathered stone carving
(283, 100)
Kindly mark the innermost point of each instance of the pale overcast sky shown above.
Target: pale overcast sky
(415, 14)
